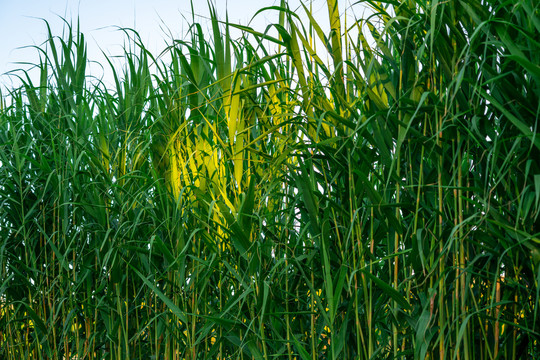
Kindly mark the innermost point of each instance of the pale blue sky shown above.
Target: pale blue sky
(20, 23)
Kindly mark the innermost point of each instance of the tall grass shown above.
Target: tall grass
(246, 199)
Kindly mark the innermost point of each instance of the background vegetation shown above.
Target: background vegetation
(247, 199)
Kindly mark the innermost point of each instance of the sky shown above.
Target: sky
(22, 25)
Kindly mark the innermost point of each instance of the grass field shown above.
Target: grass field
(365, 193)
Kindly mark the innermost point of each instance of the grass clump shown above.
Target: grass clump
(245, 199)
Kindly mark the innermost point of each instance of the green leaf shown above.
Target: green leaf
(388, 290)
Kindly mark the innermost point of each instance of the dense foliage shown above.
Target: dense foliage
(245, 199)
